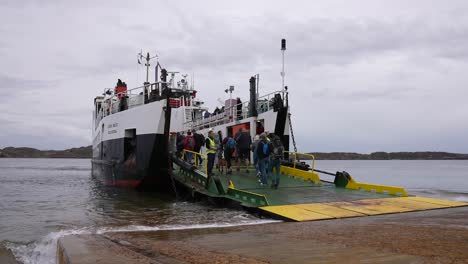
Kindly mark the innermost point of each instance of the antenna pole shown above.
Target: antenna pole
(283, 49)
(147, 66)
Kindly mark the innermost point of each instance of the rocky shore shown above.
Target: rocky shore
(435, 236)
(86, 153)
(23, 152)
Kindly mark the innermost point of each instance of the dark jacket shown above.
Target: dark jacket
(199, 141)
(260, 153)
(243, 140)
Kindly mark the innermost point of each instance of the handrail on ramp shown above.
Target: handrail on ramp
(301, 154)
(197, 156)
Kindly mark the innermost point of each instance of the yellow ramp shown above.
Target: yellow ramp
(295, 213)
(372, 207)
(320, 211)
(414, 204)
(330, 210)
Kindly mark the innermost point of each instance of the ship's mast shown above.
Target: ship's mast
(147, 64)
(283, 49)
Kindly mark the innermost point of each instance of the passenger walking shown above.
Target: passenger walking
(199, 141)
(229, 145)
(189, 144)
(255, 156)
(219, 148)
(180, 143)
(210, 152)
(263, 153)
(243, 141)
(276, 157)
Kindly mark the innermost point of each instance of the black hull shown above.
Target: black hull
(144, 168)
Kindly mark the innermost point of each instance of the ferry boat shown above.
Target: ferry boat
(134, 139)
(132, 128)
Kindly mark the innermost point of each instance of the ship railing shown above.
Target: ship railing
(303, 155)
(198, 158)
(135, 97)
(236, 112)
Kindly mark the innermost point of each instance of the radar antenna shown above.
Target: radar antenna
(147, 64)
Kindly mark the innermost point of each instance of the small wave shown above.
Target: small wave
(140, 228)
(461, 198)
(44, 251)
(442, 194)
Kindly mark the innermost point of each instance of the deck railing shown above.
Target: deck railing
(135, 97)
(296, 154)
(236, 112)
(197, 157)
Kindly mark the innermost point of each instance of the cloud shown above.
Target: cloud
(363, 77)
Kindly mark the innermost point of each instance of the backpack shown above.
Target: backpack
(191, 142)
(278, 148)
(199, 139)
(265, 149)
(231, 143)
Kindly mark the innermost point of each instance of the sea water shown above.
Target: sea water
(42, 200)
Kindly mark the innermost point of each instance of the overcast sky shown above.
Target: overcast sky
(364, 76)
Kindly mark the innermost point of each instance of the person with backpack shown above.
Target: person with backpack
(189, 144)
(229, 145)
(276, 157)
(199, 140)
(263, 154)
(243, 143)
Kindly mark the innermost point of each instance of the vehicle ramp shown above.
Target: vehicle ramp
(302, 195)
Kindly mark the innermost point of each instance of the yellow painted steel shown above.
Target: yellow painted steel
(330, 210)
(394, 190)
(197, 157)
(305, 175)
(320, 211)
(295, 213)
(372, 207)
(413, 204)
(301, 154)
(441, 202)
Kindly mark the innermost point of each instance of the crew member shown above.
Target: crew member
(210, 151)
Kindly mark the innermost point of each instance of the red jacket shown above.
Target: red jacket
(186, 144)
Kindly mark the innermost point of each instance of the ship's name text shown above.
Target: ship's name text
(110, 130)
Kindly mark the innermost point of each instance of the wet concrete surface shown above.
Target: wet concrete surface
(6, 256)
(435, 236)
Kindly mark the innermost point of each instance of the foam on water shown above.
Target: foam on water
(44, 251)
(461, 198)
(441, 194)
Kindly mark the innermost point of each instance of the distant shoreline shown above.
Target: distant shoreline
(419, 155)
(86, 153)
(25, 152)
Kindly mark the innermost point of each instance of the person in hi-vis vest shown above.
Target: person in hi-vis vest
(210, 151)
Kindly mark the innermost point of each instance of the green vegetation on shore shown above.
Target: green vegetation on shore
(86, 153)
(23, 152)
